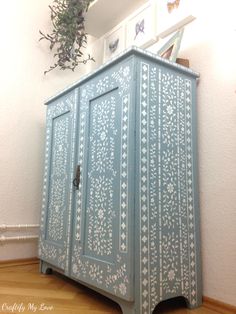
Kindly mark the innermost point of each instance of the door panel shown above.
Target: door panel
(57, 189)
(103, 241)
(58, 180)
(102, 177)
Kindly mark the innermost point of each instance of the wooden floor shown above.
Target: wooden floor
(24, 290)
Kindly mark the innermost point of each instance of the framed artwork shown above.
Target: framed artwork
(141, 27)
(171, 47)
(114, 42)
(173, 15)
(95, 49)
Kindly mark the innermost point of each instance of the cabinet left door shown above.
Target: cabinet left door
(54, 242)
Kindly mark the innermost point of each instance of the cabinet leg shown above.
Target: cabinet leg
(127, 308)
(194, 305)
(45, 268)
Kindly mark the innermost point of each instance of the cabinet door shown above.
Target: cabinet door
(57, 189)
(102, 246)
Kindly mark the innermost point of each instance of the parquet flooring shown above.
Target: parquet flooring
(24, 290)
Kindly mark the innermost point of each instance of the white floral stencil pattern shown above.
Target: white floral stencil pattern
(101, 176)
(135, 114)
(104, 121)
(59, 176)
(167, 247)
(56, 204)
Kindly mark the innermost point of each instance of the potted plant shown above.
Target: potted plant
(68, 37)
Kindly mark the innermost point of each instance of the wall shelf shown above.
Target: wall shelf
(105, 14)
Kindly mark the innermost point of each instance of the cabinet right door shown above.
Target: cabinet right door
(102, 246)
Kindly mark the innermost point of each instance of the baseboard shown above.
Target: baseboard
(19, 262)
(218, 306)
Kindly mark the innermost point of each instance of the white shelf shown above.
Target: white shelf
(105, 14)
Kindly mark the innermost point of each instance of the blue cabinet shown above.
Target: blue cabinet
(129, 226)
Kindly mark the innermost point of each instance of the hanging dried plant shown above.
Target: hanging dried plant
(68, 37)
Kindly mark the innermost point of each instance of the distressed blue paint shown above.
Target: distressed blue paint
(135, 233)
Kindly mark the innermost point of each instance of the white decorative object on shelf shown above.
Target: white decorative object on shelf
(170, 49)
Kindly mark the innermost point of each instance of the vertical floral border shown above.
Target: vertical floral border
(124, 179)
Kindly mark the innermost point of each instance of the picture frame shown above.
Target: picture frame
(171, 48)
(114, 42)
(173, 15)
(141, 26)
(95, 49)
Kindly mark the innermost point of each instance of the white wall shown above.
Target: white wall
(22, 114)
(209, 43)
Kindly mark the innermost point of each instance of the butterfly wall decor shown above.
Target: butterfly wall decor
(114, 42)
(172, 5)
(113, 45)
(139, 28)
(172, 15)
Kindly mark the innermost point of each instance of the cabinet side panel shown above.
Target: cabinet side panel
(166, 196)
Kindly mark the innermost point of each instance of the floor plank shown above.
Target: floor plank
(24, 290)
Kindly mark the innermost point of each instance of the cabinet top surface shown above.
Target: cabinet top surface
(135, 51)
